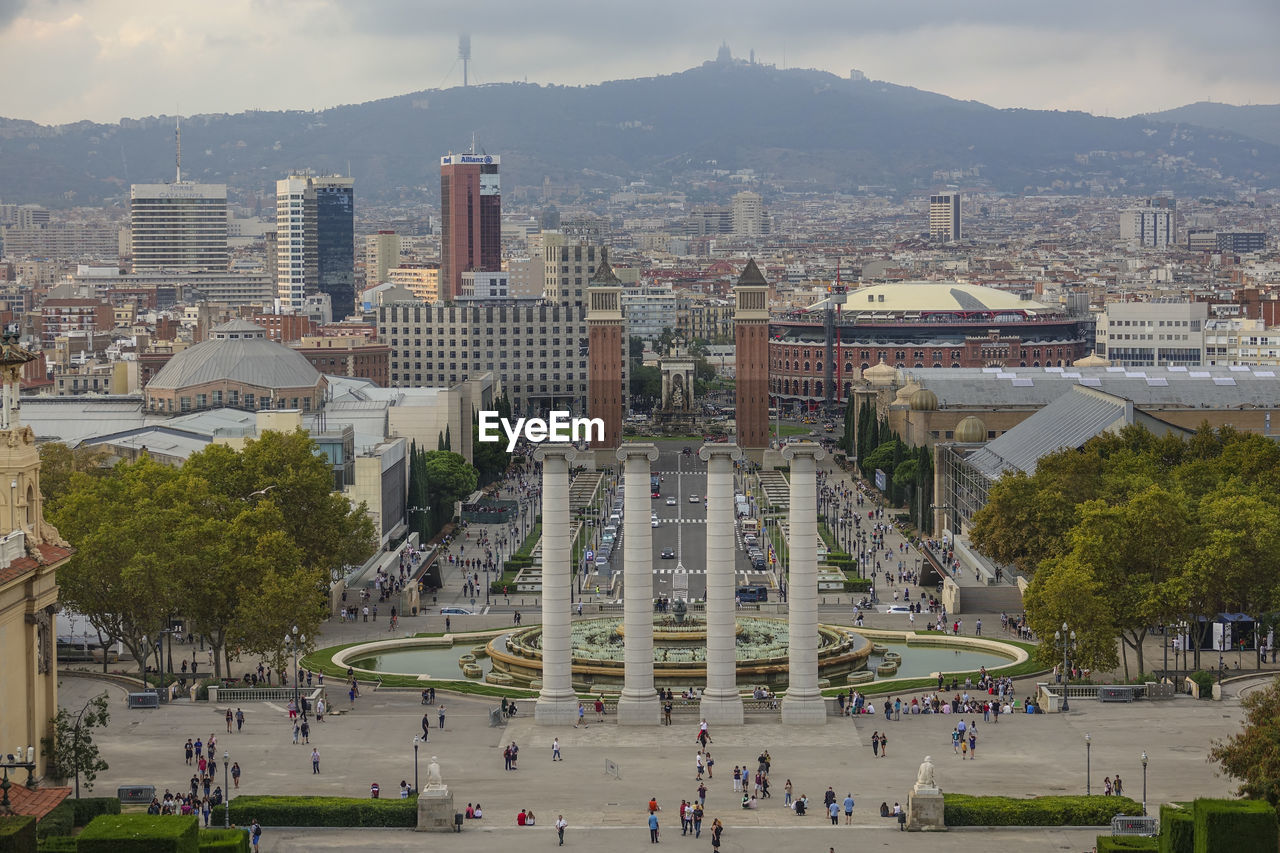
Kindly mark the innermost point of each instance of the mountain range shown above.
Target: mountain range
(802, 129)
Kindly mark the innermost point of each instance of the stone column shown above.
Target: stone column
(638, 704)
(557, 703)
(803, 704)
(721, 702)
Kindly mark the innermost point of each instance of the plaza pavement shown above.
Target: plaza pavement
(1022, 755)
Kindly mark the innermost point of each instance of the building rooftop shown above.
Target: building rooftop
(237, 352)
(908, 296)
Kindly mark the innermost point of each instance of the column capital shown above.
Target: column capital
(720, 450)
(632, 449)
(803, 449)
(568, 451)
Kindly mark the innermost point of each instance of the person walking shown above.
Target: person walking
(235, 773)
(255, 833)
(426, 726)
(834, 811)
(717, 829)
(848, 808)
(653, 827)
(239, 719)
(561, 823)
(315, 761)
(555, 749)
(697, 813)
(441, 717)
(230, 716)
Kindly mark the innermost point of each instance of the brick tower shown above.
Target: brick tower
(605, 340)
(751, 334)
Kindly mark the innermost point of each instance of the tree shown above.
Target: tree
(1251, 756)
(635, 349)
(1066, 591)
(70, 750)
(58, 462)
(449, 479)
(285, 595)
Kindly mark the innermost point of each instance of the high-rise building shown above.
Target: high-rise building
(315, 240)
(1151, 227)
(944, 216)
(178, 226)
(749, 217)
(751, 337)
(568, 264)
(381, 253)
(470, 219)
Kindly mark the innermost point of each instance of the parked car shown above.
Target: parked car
(456, 611)
(897, 608)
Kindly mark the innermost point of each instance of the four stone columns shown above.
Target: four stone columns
(803, 703)
(638, 704)
(557, 703)
(721, 702)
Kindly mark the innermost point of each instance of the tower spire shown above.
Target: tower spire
(177, 147)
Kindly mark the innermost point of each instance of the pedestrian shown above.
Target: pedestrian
(653, 827)
(351, 694)
(441, 716)
(875, 744)
(884, 746)
(786, 791)
(426, 726)
(560, 826)
(295, 733)
(315, 761)
(230, 716)
(717, 828)
(235, 773)
(255, 833)
(582, 711)
(306, 731)
(902, 820)
(555, 749)
(834, 810)
(848, 808)
(239, 719)
(189, 751)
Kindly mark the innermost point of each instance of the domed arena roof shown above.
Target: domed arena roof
(924, 400)
(971, 430)
(238, 351)
(912, 296)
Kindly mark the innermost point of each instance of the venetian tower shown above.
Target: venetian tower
(751, 334)
(606, 332)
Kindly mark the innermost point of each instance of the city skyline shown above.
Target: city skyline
(107, 60)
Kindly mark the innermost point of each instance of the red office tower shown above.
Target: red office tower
(751, 334)
(470, 219)
(605, 327)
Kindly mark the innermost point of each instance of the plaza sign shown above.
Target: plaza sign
(560, 428)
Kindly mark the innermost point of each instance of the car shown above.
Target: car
(671, 501)
(653, 522)
(693, 499)
(655, 494)
(668, 553)
(897, 608)
(456, 611)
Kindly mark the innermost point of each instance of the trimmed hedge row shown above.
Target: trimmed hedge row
(59, 821)
(1177, 830)
(1226, 826)
(224, 841)
(87, 808)
(18, 833)
(140, 833)
(968, 810)
(320, 811)
(56, 844)
(1120, 843)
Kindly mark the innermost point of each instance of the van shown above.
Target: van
(749, 594)
(615, 519)
(750, 526)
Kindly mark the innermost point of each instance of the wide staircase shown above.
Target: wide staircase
(996, 598)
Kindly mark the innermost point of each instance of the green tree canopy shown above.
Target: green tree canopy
(1251, 757)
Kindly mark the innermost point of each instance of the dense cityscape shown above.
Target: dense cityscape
(626, 467)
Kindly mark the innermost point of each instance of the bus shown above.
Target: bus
(655, 485)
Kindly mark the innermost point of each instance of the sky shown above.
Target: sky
(101, 60)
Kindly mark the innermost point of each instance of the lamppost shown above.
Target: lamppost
(417, 740)
(1144, 783)
(1065, 637)
(1088, 743)
(293, 640)
(13, 761)
(226, 786)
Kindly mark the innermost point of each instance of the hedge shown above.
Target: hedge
(857, 585)
(18, 833)
(320, 811)
(1226, 826)
(1177, 830)
(59, 821)
(224, 841)
(88, 808)
(968, 810)
(1120, 843)
(1203, 680)
(140, 833)
(56, 844)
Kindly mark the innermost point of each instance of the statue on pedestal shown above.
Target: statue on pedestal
(434, 779)
(924, 778)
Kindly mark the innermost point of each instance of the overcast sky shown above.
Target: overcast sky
(66, 60)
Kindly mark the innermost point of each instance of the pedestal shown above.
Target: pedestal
(924, 811)
(435, 810)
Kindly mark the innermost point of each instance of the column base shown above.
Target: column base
(804, 710)
(556, 710)
(435, 811)
(925, 811)
(721, 707)
(639, 711)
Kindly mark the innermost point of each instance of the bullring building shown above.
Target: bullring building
(817, 354)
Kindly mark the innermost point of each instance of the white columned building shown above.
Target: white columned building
(557, 703)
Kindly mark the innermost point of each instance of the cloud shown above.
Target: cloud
(114, 58)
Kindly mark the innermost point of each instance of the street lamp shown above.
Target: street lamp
(293, 640)
(1065, 637)
(1144, 783)
(226, 786)
(417, 740)
(1088, 743)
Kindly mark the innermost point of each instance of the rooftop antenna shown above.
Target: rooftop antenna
(464, 53)
(177, 147)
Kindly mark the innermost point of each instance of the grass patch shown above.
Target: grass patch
(910, 685)
(321, 660)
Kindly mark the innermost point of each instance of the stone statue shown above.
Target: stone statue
(924, 779)
(433, 774)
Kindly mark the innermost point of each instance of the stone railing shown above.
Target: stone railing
(236, 695)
